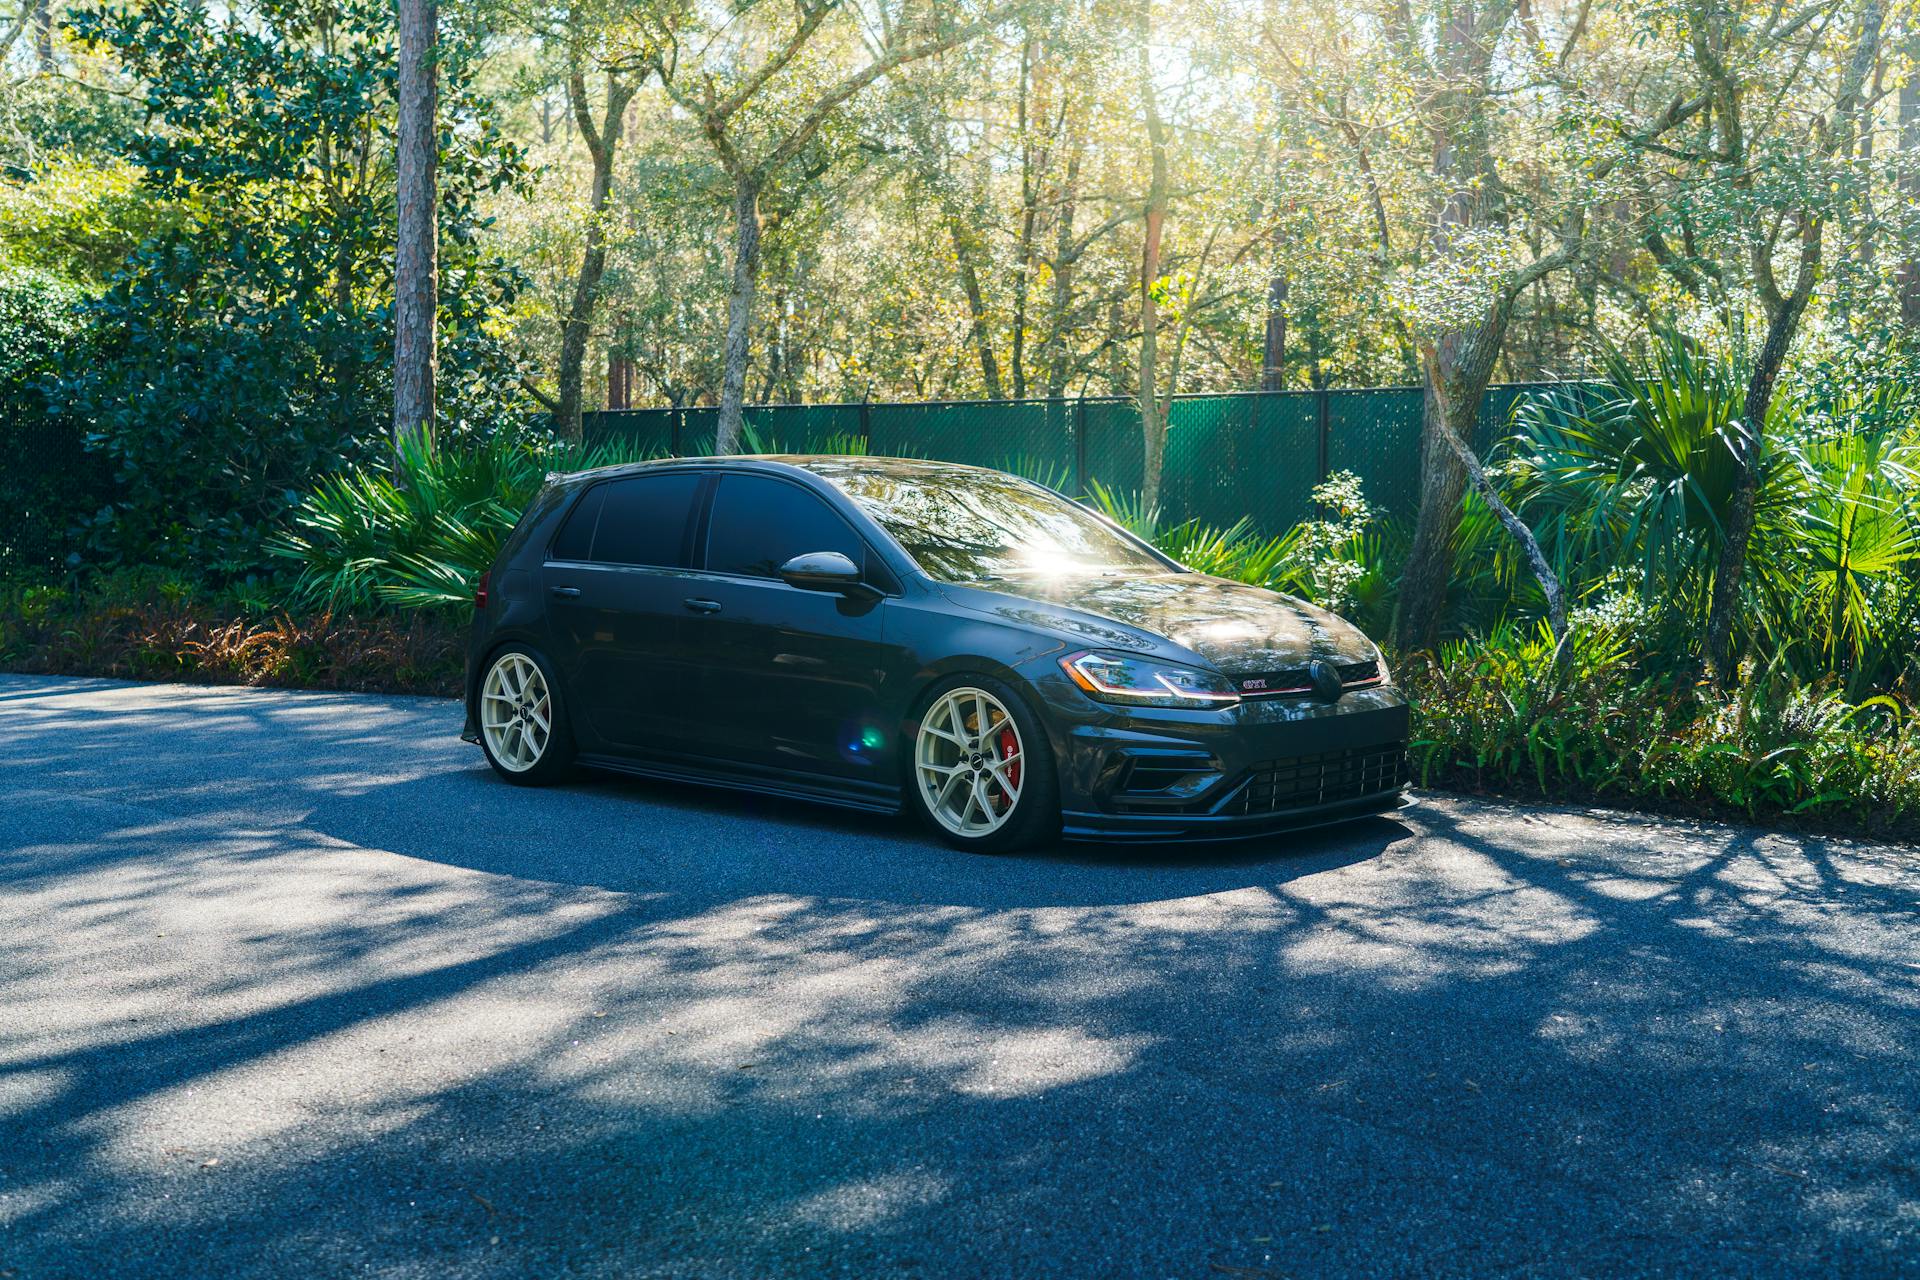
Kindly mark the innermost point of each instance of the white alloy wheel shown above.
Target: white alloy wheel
(969, 762)
(516, 712)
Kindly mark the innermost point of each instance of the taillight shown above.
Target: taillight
(480, 590)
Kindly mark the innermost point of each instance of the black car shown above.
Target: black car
(884, 632)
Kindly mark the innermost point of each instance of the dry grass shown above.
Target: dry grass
(173, 636)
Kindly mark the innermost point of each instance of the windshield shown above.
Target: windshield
(978, 526)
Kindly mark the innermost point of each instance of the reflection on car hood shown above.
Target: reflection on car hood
(1238, 628)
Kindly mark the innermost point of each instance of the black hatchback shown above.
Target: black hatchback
(886, 633)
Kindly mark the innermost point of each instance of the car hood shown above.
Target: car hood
(1239, 629)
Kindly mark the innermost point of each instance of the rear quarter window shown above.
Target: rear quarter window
(575, 539)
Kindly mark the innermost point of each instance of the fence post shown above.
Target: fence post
(866, 421)
(1323, 407)
(674, 430)
(1080, 444)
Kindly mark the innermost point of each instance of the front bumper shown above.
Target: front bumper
(1264, 766)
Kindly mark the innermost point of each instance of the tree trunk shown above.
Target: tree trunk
(415, 259)
(1738, 534)
(620, 368)
(1464, 359)
(43, 34)
(1907, 275)
(1783, 321)
(746, 274)
(1153, 406)
(1153, 418)
(964, 249)
(1023, 247)
(1462, 367)
(1865, 233)
(1065, 267)
(1273, 371)
(1469, 463)
(602, 145)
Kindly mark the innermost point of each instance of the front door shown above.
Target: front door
(795, 679)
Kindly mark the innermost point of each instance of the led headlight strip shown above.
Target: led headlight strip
(1153, 683)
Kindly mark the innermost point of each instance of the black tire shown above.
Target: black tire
(1035, 817)
(555, 762)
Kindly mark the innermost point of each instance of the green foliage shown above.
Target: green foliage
(1629, 481)
(40, 317)
(1838, 569)
(1330, 560)
(1057, 476)
(1337, 561)
(151, 624)
(1125, 510)
(244, 346)
(837, 443)
(1495, 715)
(78, 216)
(59, 119)
(48, 484)
(420, 535)
(1638, 467)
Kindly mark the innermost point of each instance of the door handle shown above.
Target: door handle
(702, 606)
(568, 592)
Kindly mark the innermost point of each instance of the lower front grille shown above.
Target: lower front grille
(1330, 777)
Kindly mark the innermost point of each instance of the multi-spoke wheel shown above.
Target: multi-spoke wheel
(520, 724)
(982, 771)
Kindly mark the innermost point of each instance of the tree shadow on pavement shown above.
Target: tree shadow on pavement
(655, 1035)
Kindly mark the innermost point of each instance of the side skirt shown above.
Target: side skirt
(866, 797)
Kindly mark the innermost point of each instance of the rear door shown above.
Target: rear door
(615, 579)
(795, 679)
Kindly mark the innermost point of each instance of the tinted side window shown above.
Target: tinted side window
(644, 519)
(759, 524)
(576, 535)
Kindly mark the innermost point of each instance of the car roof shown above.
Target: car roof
(814, 463)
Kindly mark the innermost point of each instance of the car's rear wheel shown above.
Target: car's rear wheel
(983, 770)
(523, 727)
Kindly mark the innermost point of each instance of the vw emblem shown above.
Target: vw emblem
(1325, 677)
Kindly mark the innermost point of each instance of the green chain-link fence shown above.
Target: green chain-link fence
(1254, 454)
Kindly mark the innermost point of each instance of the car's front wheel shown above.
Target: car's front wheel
(523, 726)
(983, 770)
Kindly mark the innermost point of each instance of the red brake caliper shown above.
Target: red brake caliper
(1010, 756)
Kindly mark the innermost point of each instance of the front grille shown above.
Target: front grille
(1330, 777)
(1295, 680)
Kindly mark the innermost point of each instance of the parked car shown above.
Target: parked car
(890, 633)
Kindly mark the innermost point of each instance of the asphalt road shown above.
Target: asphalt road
(290, 986)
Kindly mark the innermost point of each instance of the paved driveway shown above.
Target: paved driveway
(289, 986)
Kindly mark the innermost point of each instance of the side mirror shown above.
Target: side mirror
(824, 571)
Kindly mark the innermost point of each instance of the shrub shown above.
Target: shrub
(1335, 561)
(149, 625)
(48, 484)
(1631, 479)
(244, 347)
(1496, 715)
(421, 535)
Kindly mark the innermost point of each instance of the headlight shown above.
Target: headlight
(1143, 682)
